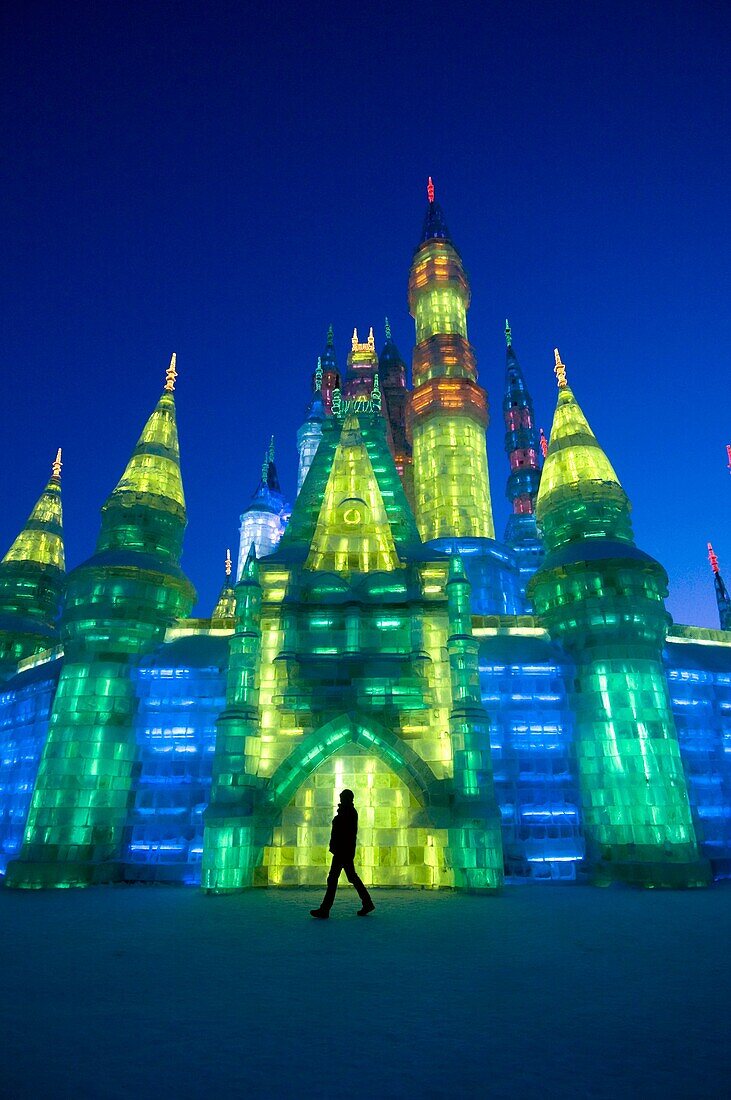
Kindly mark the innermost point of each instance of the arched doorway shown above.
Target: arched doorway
(397, 843)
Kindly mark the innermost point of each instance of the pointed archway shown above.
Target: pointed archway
(400, 844)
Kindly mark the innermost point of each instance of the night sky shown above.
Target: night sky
(225, 180)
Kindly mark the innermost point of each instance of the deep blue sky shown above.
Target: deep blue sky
(225, 180)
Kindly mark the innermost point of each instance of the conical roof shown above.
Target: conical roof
(300, 530)
(154, 468)
(352, 533)
(41, 539)
(580, 495)
(145, 513)
(31, 579)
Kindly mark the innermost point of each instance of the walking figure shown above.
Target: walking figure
(342, 846)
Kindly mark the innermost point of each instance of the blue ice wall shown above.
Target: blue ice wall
(25, 710)
(181, 690)
(699, 680)
(522, 685)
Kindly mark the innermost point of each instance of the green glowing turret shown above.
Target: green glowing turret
(31, 580)
(118, 605)
(603, 600)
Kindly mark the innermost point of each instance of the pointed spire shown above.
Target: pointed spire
(388, 331)
(728, 456)
(171, 374)
(544, 443)
(559, 370)
(265, 467)
(330, 342)
(56, 466)
(354, 341)
(271, 449)
(580, 495)
(371, 339)
(31, 582)
(723, 600)
(225, 610)
(145, 513)
(508, 333)
(434, 224)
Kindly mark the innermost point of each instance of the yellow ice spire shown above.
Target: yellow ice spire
(228, 563)
(559, 370)
(56, 466)
(171, 374)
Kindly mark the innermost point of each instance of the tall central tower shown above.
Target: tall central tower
(448, 410)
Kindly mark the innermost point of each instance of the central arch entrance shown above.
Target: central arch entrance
(397, 843)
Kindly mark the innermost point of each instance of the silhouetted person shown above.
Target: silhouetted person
(342, 846)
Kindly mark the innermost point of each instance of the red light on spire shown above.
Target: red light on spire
(430, 194)
(544, 443)
(728, 454)
(712, 558)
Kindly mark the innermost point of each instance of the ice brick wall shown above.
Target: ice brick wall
(699, 679)
(25, 709)
(181, 691)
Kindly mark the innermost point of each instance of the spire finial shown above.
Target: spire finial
(430, 189)
(388, 331)
(544, 443)
(713, 559)
(508, 333)
(371, 339)
(56, 466)
(271, 449)
(228, 563)
(728, 455)
(171, 374)
(330, 337)
(318, 376)
(560, 370)
(354, 341)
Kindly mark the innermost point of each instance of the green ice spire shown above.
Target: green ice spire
(603, 600)
(31, 580)
(118, 606)
(580, 495)
(146, 510)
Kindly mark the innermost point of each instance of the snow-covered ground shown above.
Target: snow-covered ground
(546, 991)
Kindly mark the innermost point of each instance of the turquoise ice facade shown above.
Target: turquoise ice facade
(507, 695)
(182, 686)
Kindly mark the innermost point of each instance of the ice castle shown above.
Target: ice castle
(515, 710)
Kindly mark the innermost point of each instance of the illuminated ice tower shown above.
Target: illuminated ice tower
(392, 374)
(523, 449)
(31, 580)
(448, 410)
(722, 597)
(118, 606)
(310, 433)
(264, 520)
(603, 599)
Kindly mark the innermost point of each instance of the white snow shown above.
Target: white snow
(546, 991)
